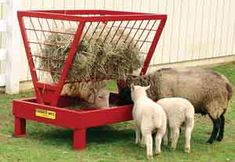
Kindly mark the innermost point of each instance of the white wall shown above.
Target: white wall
(3, 30)
(195, 29)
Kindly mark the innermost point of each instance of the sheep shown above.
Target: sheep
(208, 91)
(179, 112)
(93, 93)
(148, 117)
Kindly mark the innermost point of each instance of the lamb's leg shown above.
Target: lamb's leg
(165, 137)
(142, 144)
(137, 135)
(175, 136)
(158, 141)
(149, 145)
(216, 126)
(221, 131)
(189, 124)
(188, 133)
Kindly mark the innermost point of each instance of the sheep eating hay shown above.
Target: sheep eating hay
(103, 52)
(208, 91)
(93, 93)
(149, 117)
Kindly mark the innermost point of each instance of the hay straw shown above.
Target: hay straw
(98, 56)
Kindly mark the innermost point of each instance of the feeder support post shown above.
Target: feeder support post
(13, 58)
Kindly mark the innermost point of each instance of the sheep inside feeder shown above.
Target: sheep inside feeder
(95, 94)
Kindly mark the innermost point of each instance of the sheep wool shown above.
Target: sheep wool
(92, 92)
(180, 112)
(208, 91)
(148, 117)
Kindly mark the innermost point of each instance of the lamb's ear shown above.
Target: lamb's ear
(132, 87)
(147, 87)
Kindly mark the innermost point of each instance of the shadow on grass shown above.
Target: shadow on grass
(98, 135)
(110, 134)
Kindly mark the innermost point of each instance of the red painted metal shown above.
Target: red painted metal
(104, 15)
(49, 106)
(29, 57)
(68, 62)
(20, 127)
(78, 121)
(73, 119)
(79, 139)
(152, 48)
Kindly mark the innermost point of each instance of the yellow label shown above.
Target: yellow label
(45, 114)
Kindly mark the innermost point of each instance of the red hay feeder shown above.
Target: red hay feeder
(49, 106)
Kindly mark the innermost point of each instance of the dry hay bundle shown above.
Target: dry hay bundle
(98, 56)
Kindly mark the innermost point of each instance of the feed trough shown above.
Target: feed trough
(79, 32)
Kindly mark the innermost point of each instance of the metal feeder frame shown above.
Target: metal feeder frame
(48, 106)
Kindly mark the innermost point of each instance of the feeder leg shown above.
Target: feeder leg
(20, 127)
(79, 139)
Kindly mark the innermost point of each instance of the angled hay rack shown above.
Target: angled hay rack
(77, 31)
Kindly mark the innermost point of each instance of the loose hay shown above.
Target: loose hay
(108, 53)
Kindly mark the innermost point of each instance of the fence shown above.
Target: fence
(196, 32)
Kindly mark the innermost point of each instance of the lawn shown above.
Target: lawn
(112, 143)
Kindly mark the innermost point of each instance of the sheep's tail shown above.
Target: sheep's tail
(228, 87)
(230, 90)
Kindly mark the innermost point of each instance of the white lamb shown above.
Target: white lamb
(179, 112)
(149, 117)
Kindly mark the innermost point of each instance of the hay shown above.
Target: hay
(98, 56)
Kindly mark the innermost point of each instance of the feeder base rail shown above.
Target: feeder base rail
(77, 120)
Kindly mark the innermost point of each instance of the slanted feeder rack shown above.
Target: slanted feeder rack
(49, 106)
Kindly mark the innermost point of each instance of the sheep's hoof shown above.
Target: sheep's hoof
(210, 141)
(150, 157)
(158, 153)
(219, 138)
(187, 150)
(165, 143)
(142, 145)
(173, 148)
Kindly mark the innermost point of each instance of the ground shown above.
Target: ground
(112, 143)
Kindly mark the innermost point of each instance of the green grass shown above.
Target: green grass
(113, 143)
(228, 70)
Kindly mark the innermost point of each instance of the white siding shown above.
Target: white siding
(195, 29)
(3, 51)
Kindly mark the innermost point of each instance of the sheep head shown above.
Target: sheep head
(99, 97)
(138, 91)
